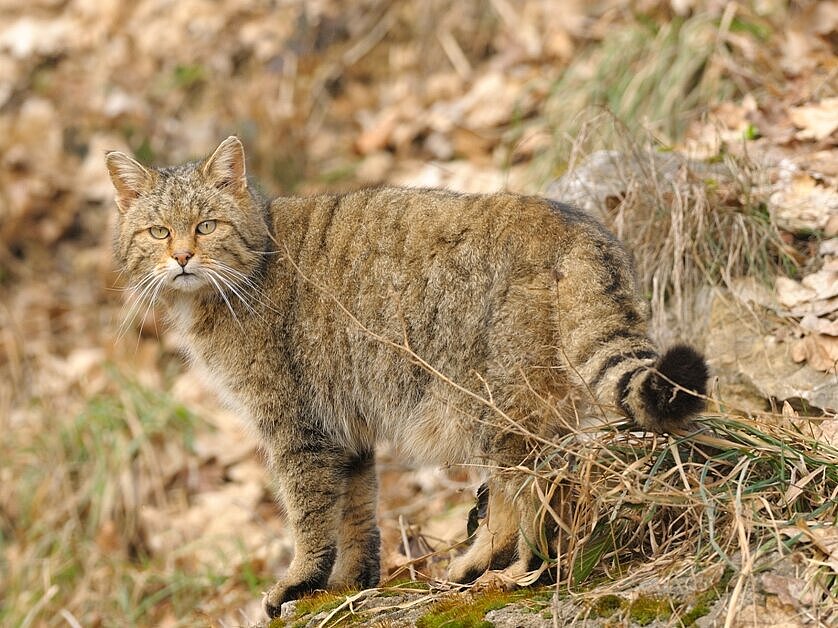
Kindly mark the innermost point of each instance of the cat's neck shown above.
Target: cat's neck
(199, 315)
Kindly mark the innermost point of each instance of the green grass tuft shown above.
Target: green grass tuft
(74, 537)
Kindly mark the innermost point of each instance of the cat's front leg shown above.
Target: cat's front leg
(310, 478)
(357, 564)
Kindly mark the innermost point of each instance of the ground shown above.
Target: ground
(702, 133)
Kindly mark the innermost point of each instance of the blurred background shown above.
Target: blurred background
(704, 133)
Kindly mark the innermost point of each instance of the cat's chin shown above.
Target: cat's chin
(187, 283)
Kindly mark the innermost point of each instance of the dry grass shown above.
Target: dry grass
(75, 471)
(689, 223)
(70, 503)
(734, 493)
(656, 76)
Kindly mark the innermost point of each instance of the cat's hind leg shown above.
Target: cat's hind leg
(495, 542)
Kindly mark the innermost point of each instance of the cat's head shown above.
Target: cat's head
(187, 229)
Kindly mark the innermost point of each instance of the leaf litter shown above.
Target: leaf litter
(171, 519)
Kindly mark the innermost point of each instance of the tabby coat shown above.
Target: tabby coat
(460, 327)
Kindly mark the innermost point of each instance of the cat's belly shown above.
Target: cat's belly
(431, 431)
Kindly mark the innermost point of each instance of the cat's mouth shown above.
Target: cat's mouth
(188, 282)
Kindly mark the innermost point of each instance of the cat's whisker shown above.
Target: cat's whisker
(232, 274)
(241, 278)
(133, 304)
(220, 290)
(151, 301)
(235, 290)
(149, 285)
(229, 285)
(243, 295)
(232, 288)
(145, 281)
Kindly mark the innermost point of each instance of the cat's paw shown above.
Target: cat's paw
(502, 580)
(284, 591)
(465, 569)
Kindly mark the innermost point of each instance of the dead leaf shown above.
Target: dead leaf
(816, 121)
(822, 307)
(801, 203)
(823, 282)
(819, 351)
(377, 131)
(822, 535)
(774, 614)
(791, 292)
(790, 591)
(28, 36)
(491, 101)
(107, 538)
(829, 431)
(375, 166)
(819, 325)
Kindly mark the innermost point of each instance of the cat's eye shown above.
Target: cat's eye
(158, 232)
(206, 227)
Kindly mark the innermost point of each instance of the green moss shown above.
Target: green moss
(469, 611)
(189, 75)
(703, 602)
(319, 602)
(398, 587)
(645, 610)
(699, 609)
(607, 605)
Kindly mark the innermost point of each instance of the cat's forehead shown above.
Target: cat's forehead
(179, 194)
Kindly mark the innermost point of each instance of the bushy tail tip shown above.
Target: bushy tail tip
(664, 396)
(674, 391)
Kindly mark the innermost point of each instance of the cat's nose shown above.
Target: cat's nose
(182, 257)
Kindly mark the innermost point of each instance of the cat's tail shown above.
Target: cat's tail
(663, 394)
(659, 392)
(604, 341)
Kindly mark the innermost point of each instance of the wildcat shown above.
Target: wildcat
(459, 326)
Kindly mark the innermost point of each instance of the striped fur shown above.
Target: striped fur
(435, 320)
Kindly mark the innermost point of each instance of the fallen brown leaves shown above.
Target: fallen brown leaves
(325, 95)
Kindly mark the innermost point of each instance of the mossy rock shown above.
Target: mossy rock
(644, 610)
(469, 610)
(607, 605)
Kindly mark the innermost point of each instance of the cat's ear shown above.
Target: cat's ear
(225, 169)
(129, 178)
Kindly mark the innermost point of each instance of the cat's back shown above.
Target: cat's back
(409, 228)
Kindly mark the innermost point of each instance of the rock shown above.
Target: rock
(741, 353)
(288, 609)
(607, 174)
(512, 617)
